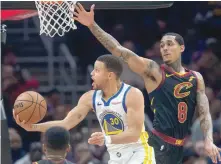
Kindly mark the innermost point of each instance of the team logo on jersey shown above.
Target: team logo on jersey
(179, 87)
(112, 123)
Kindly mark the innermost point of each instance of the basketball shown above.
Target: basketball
(30, 106)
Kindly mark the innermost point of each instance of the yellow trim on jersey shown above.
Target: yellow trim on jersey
(148, 150)
(152, 101)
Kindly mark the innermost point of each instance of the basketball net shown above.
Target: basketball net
(55, 17)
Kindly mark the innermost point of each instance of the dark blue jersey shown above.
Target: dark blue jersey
(174, 102)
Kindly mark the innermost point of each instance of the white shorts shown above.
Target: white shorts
(139, 155)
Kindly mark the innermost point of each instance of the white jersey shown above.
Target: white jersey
(112, 117)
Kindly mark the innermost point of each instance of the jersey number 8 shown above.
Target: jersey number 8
(182, 112)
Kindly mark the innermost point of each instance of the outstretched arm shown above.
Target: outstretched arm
(206, 120)
(139, 65)
(74, 117)
(135, 122)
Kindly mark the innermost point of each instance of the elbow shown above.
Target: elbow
(134, 137)
(65, 125)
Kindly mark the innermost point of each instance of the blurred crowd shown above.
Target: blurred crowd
(140, 31)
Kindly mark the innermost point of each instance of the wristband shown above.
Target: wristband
(107, 140)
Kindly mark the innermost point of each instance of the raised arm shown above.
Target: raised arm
(135, 122)
(206, 120)
(139, 65)
(74, 117)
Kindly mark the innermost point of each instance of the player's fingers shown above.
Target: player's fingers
(96, 143)
(76, 18)
(75, 14)
(213, 159)
(77, 8)
(96, 134)
(96, 140)
(92, 141)
(217, 154)
(92, 8)
(93, 134)
(81, 7)
(101, 137)
(214, 156)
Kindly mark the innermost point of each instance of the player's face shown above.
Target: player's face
(99, 75)
(170, 49)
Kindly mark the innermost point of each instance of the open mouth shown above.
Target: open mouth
(165, 55)
(93, 83)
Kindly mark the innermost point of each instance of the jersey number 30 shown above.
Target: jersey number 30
(182, 112)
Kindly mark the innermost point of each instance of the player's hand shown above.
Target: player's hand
(212, 150)
(96, 138)
(27, 127)
(82, 16)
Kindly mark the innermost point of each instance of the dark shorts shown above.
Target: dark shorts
(165, 153)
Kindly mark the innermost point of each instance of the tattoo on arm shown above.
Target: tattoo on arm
(125, 54)
(110, 43)
(106, 40)
(203, 109)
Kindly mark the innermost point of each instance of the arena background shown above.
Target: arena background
(59, 68)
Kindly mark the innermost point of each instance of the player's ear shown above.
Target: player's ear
(182, 48)
(110, 75)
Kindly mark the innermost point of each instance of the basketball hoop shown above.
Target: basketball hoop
(55, 17)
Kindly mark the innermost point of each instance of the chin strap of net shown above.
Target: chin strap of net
(55, 17)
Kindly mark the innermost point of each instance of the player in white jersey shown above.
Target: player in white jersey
(120, 111)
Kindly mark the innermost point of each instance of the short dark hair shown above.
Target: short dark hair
(112, 63)
(178, 37)
(57, 138)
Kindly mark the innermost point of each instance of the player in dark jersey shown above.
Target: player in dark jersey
(174, 92)
(56, 146)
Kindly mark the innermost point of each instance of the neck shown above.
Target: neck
(55, 156)
(111, 88)
(177, 66)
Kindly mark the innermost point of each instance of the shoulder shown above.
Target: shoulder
(86, 98)
(134, 91)
(198, 75)
(88, 95)
(200, 81)
(134, 95)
